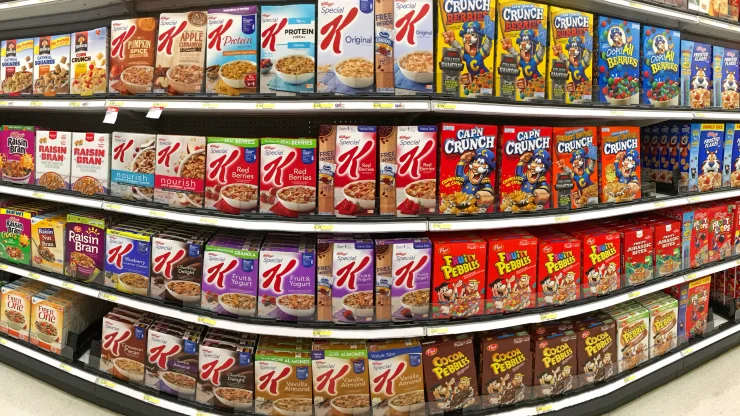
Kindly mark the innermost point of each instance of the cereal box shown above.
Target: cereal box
(575, 172)
(52, 315)
(345, 47)
(693, 308)
(465, 40)
(521, 50)
(180, 171)
(90, 159)
(396, 375)
(232, 174)
(51, 66)
(177, 268)
(467, 166)
(524, 181)
(89, 70)
(732, 154)
(288, 176)
(132, 166)
(701, 6)
(53, 159)
(450, 375)
(458, 276)
(633, 333)
(558, 269)
(48, 235)
(17, 66)
(16, 307)
(387, 167)
(661, 83)
(696, 74)
(84, 257)
(403, 277)
(667, 246)
(725, 78)
(555, 364)
(597, 348)
(132, 55)
(601, 262)
(414, 169)
(512, 271)
(230, 274)
(340, 375)
(352, 291)
(720, 232)
(181, 53)
(231, 61)
(16, 234)
(225, 375)
(283, 381)
(618, 82)
(619, 164)
(637, 253)
(172, 361)
(413, 47)
(725, 9)
(663, 325)
(384, 82)
(128, 260)
(569, 56)
(505, 365)
(123, 352)
(708, 166)
(17, 148)
(288, 49)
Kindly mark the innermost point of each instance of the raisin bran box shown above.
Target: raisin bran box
(17, 67)
(512, 271)
(413, 46)
(558, 269)
(181, 53)
(89, 69)
(696, 74)
(180, 172)
(51, 66)
(619, 164)
(48, 233)
(225, 375)
(710, 140)
(402, 278)
(458, 276)
(231, 59)
(575, 171)
(450, 375)
(505, 366)
(569, 56)
(17, 146)
(396, 375)
(415, 170)
(467, 166)
(123, 353)
(661, 83)
(465, 44)
(132, 51)
(132, 166)
(726, 77)
(525, 168)
(618, 82)
(90, 163)
(555, 363)
(288, 176)
(340, 375)
(596, 350)
(53, 159)
(353, 268)
(84, 257)
(732, 154)
(232, 174)
(283, 380)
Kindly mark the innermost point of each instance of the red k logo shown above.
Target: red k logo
(214, 35)
(118, 43)
(163, 156)
(405, 274)
(349, 161)
(159, 356)
(217, 273)
(384, 380)
(167, 37)
(269, 381)
(218, 166)
(328, 380)
(270, 33)
(120, 150)
(113, 341)
(274, 276)
(409, 161)
(115, 255)
(347, 274)
(274, 168)
(213, 371)
(163, 263)
(407, 24)
(332, 31)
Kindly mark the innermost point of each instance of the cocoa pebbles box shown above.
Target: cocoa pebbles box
(450, 372)
(53, 159)
(232, 174)
(413, 46)
(596, 350)
(180, 171)
(132, 51)
(661, 82)
(402, 278)
(288, 176)
(17, 67)
(51, 66)
(505, 369)
(353, 269)
(17, 146)
(555, 363)
(575, 171)
(619, 164)
(132, 166)
(696, 74)
(618, 61)
(569, 57)
(231, 62)
(524, 181)
(725, 78)
(181, 53)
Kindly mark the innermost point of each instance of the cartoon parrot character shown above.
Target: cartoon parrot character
(474, 170)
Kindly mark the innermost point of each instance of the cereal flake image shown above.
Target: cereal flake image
(660, 75)
(569, 76)
(619, 72)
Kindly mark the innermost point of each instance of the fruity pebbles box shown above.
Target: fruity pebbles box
(512, 271)
(696, 74)
(524, 177)
(620, 164)
(706, 172)
(725, 78)
(570, 53)
(458, 276)
(575, 172)
(520, 53)
(661, 83)
(618, 82)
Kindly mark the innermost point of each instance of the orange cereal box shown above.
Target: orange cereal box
(569, 61)
(575, 172)
(620, 164)
(525, 174)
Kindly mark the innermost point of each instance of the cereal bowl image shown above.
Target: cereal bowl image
(359, 303)
(138, 79)
(417, 66)
(238, 303)
(351, 404)
(14, 172)
(131, 369)
(19, 83)
(416, 301)
(240, 196)
(423, 192)
(188, 292)
(293, 407)
(301, 306)
(180, 383)
(234, 73)
(355, 72)
(361, 193)
(237, 399)
(133, 283)
(298, 198)
(295, 69)
(46, 331)
(185, 79)
(193, 166)
(91, 82)
(15, 319)
(408, 402)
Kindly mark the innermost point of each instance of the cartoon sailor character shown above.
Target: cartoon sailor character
(625, 165)
(700, 80)
(475, 47)
(583, 167)
(617, 37)
(499, 293)
(474, 169)
(533, 169)
(531, 53)
(660, 45)
(730, 83)
(579, 58)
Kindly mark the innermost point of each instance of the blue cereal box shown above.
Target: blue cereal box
(618, 82)
(696, 74)
(128, 260)
(687, 155)
(726, 73)
(732, 155)
(664, 174)
(571, 46)
(706, 172)
(661, 79)
(655, 153)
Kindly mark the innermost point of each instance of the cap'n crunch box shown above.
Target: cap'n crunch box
(618, 82)
(520, 52)
(288, 176)
(413, 47)
(569, 56)
(17, 67)
(232, 174)
(661, 83)
(458, 276)
(725, 78)
(416, 170)
(558, 269)
(706, 172)
(619, 164)
(467, 168)
(575, 172)
(524, 173)
(696, 74)
(512, 271)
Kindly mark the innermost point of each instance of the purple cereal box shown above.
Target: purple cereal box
(17, 145)
(84, 257)
(403, 278)
(177, 268)
(172, 360)
(353, 267)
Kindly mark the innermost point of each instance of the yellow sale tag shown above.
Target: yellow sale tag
(33, 275)
(323, 227)
(440, 330)
(694, 199)
(210, 105)
(65, 367)
(636, 5)
(548, 316)
(562, 218)
(37, 103)
(633, 295)
(4, 103)
(382, 105)
(737, 262)
(699, 114)
(322, 333)
(115, 104)
(658, 204)
(112, 207)
(3, 267)
(629, 379)
(440, 226)
(107, 296)
(689, 277)
(206, 321)
(445, 106)
(39, 195)
(68, 285)
(543, 409)
(163, 105)
(265, 106)
(617, 112)
(106, 383)
(687, 351)
(323, 105)
(151, 399)
(155, 213)
(206, 220)
(3, 341)
(75, 104)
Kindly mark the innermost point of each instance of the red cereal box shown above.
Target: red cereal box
(667, 246)
(699, 252)
(720, 232)
(602, 250)
(575, 172)
(735, 227)
(637, 253)
(620, 164)
(232, 174)
(288, 176)
(458, 276)
(524, 177)
(416, 170)
(512, 271)
(697, 307)
(558, 268)
(467, 168)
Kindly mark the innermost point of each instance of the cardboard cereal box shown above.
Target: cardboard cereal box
(179, 174)
(132, 166)
(575, 172)
(569, 56)
(48, 233)
(340, 375)
(467, 166)
(413, 47)
(345, 47)
(701, 6)
(725, 78)
(637, 253)
(597, 348)
(558, 269)
(402, 278)
(181, 53)
(16, 234)
(84, 257)
(172, 355)
(288, 176)
(17, 67)
(288, 49)
(555, 363)
(524, 181)
(732, 153)
(458, 277)
(177, 267)
(384, 82)
(619, 165)
(693, 308)
(396, 374)
(512, 271)
(696, 74)
(231, 60)
(663, 325)
(720, 232)
(439, 355)
(387, 167)
(661, 83)
(53, 159)
(128, 260)
(706, 172)
(129, 353)
(51, 65)
(230, 274)
(505, 364)
(90, 161)
(17, 146)
(415, 170)
(521, 50)
(132, 51)
(232, 174)
(226, 371)
(89, 70)
(601, 262)
(16, 307)
(633, 333)
(674, 149)
(353, 269)
(465, 40)
(618, 82)
(285, 381)
(667, 246)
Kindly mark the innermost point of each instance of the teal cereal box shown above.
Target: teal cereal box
(726, 72)
(696, 74)
(520, 50)
(569, 62)
(618, 82)
(661, 78)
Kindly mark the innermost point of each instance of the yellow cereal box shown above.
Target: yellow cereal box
(465, 34)
(569, 56)
(520, 51)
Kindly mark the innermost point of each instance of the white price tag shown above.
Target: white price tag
(155, 112)
(111, 114)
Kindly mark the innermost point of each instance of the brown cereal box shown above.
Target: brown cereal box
(340, 376)
(619, 164)
(225, 375)
(396, 376)
(132, 55)
(505, 366)
(51, 64)
(53, 159)
(449, 372)
(554, 363)
(123, 352)
(90, 159)
(283, 382)
(597, 350)
(17, 67)
(180, 172)
(181, 53)
(172, 361)
(89, 68)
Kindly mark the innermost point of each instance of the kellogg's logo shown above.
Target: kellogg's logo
(215, 34)
(118, 43)
(218, 166)
(113, 341)
(274, 276)
(409, 162)
(406, 26)
(115, 255)
(269, 381)
(333, 30)
(384, 380)
(120, 150)
(349, 161)
(213, 371)
(405, 274)
(347, 275)
(159, 356)
(165, 262)
(273, 170)
(269, 34)
(166, 39)
(216, 273)
(163, 156)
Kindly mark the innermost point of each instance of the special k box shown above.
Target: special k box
(181, 53)
(619, 166)
(413, 46)
(569, 57)
(346, 47)
(17, 66)
(467, 168)
(416, 170)
(396, 373)
(576, 172)
(352, 291)
(132, 50)
(231, 62)
(288, 176)
(132, 166)
(512, 271)
(51, 64)
(180, 170)
(403, 269)
(232, 174)
(458, 276)
(524, 181)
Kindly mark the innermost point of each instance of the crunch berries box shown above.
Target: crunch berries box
(132, 166)
(232, 174)
(520, 52)
(17, 67)
(17, 148)
(181, 53)
(696, 74)
(90, 159)
(288, 176)
(231, 61)
(132, 50)
(661, 84)
(53, 159)
(575, 172)
(524, 177)
(619, 166)
(618, 82)
(569, 57)
(51, 65)
(725, 79)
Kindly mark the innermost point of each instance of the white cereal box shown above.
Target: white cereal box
(51, 64)
(53, 159)
(413, 48)
(90, 62)
(233, 42)
(132, 166)
(17, 66)
(180, 171)
(90, 159)
(181, 53)
(288, 49)
(346, 47)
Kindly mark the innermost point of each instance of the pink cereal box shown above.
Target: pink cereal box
(53, 159)
(90, 161)
(180, 171)
(288, 176)
(17, 147)
(181, 53)
(232, 174)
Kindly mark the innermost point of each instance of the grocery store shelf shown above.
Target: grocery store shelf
(57, 104)
(52, 196)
